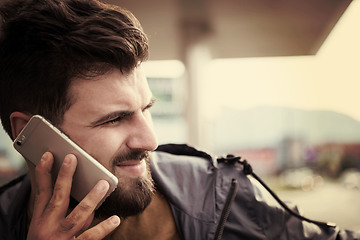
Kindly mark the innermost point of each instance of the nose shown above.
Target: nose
(142, 134)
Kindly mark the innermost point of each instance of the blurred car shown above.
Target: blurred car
(301, 178)
(350, 178)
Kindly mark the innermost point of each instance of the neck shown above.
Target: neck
(156, 222)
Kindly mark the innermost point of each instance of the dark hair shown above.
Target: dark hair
(44, 44)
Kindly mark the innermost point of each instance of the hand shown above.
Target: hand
(50, 219)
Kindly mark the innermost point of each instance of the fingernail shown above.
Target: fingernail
(101, 185)
(45, 156)
(115, 220)
(67, 161)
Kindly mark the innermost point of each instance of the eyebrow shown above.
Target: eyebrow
(119, 114)
(151, 103)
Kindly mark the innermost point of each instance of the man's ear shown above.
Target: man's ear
(18, 120)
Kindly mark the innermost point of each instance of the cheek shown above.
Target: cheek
(106, 144)
(102, 145)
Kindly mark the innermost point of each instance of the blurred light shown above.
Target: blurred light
(326, 81)
(164, 68)
(345, 35)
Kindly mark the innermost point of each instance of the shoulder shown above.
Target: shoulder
(197, 186)
(187, 177)
(13, 204)
(180, 162)
(180, 170)
(181, 158)
(10, 189)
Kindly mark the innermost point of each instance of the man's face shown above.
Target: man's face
(110, 119)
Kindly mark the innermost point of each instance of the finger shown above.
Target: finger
(75, 221)
(43, 188)
(88, 222)
(60, 199)
(101, 230)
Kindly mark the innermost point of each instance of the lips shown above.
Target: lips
(132, 168)
(128, 163)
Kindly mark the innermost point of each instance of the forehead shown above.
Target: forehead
(111, 91)
(113, 75)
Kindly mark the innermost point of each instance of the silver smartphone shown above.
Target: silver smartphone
(40, 136)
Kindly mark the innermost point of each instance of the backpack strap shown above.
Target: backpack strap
(183, 149)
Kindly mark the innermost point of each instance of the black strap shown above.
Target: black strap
(247, 169)
(183, 149)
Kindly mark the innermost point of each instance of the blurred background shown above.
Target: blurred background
(274, 81)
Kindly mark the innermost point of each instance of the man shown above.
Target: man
(78, 64)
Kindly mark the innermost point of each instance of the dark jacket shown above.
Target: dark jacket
(220, 198)
(210, 199)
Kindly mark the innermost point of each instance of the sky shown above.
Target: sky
(329, 80)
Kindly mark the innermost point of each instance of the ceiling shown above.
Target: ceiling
(236, 28)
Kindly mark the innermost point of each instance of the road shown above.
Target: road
(331, 202)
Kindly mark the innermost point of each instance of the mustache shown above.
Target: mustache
(131, 155)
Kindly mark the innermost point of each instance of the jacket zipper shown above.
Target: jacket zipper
(226, 210)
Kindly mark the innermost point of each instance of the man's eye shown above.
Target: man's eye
(113, 121)
(119, 118)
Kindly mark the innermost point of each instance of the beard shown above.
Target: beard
(132, 195)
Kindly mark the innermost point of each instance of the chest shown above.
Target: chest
(155, 223)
